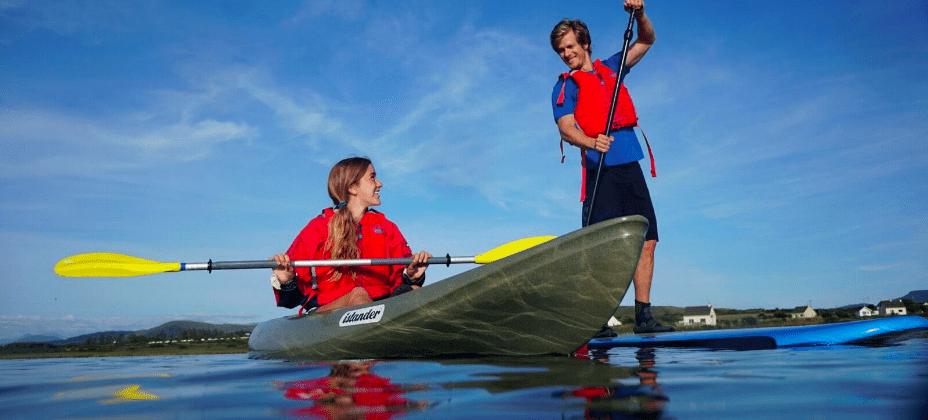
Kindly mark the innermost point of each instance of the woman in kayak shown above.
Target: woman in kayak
(348, 230)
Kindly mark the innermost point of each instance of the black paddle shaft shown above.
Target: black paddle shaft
(613, 104)
(243, 265)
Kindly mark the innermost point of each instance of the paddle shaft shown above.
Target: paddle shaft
(613, 104)
(245, 265)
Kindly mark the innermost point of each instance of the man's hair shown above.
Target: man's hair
(577, 26)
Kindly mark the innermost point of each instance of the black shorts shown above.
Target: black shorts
(622, 192)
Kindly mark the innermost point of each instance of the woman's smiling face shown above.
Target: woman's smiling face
(367, 189)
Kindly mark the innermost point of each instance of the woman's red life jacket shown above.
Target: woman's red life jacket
(378, 238)
(594, 100)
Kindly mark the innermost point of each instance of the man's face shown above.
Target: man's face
(572, 53)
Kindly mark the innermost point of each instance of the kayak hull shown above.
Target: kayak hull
(548, 299)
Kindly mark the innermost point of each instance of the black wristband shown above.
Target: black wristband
(412, 282)
(289, 286)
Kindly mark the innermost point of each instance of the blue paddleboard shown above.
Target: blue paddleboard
(855, 332)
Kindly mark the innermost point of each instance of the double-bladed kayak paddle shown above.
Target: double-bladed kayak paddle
(104, 264)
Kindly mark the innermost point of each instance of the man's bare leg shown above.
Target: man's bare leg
(644, 273)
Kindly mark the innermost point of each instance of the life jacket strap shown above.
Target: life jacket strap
(560, 96)
(650, 152)
(582, 168)
(309, 304)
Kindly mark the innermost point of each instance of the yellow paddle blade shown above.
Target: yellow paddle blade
(133, 393)
(510, 248)
(104, 264)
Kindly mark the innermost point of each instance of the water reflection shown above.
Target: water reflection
(352, 390)
(644, 400)
(587, 387)
(588, 384)
(822, 382)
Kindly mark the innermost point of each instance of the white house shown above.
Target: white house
(698, 315)
(803, 312)
(892, 307)
(866, 311)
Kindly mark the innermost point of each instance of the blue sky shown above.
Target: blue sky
(790, 141)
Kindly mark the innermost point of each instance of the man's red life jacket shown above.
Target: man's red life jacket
(378, 238)
(594, 100)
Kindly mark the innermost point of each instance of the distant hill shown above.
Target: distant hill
(168, 330)
(918, 296)
(33, 338)
(97, 336)
(176, 329)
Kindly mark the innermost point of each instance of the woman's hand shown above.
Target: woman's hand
(283, 271)
(416, 269)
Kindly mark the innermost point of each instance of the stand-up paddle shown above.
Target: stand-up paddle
(613, 104)
(102, 264)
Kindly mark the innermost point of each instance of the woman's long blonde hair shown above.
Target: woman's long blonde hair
(342, 242)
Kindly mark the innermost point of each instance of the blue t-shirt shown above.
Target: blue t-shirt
(625, 148)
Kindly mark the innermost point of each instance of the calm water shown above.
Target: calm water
(830, 382)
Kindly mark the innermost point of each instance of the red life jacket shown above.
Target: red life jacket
(594, 100)
(378, 238)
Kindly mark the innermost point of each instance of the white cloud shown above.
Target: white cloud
(455, 107)
(186, 141)
(42, 143)
(11, 4)
(311, 118)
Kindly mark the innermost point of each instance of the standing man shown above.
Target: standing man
(581, 100)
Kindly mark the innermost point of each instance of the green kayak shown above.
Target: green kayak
(549, 299)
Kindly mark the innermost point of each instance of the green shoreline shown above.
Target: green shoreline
(83, 351)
